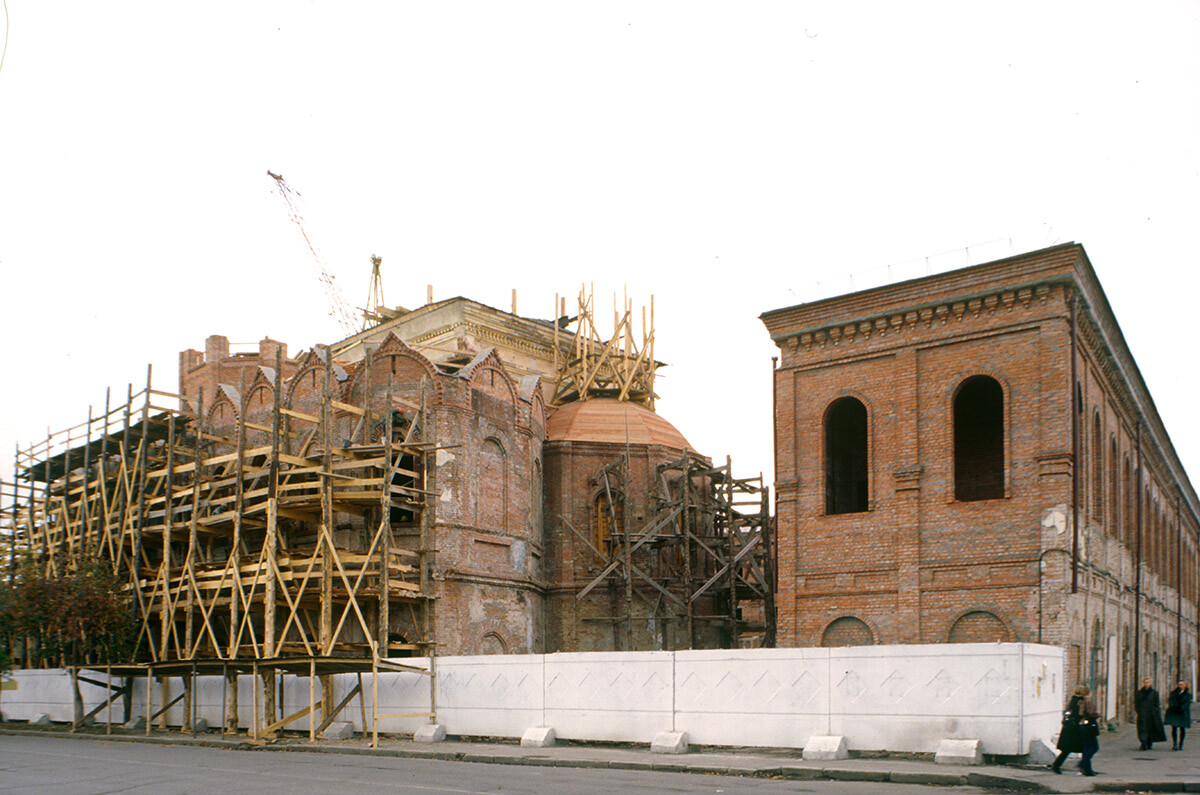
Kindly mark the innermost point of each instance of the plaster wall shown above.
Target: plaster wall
(893, 698)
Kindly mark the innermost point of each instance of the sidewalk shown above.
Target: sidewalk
(1123, 767)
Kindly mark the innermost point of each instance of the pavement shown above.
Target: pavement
(1122, 767)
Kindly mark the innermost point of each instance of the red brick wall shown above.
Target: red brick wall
(587, 624)
(921, 567)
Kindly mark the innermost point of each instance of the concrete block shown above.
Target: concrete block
(802, 773)
(669, 743)
(1013, 784)
(136, 724)
(823, 747)
(539, 737)
(1041, 752)
(856, 775)
(338, 730)
(928, 779)
(430, 733)
(200, 725)
(959, 752)
(41, 719)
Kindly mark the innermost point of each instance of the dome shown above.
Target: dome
(612, 421)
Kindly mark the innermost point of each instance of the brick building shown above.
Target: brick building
(533, 504)
(974, 456)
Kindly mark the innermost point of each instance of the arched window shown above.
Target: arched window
(608, 517)
(1096, 676)
(978, 626)
(846, 456)
(847, 631)
(492, 498)
(1127, 507)
(1097, 469)
(979, 439)
(1114, 490)
(491, 643)
(536, 500)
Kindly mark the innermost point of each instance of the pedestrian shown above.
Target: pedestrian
(1179, 713)
(1149, 715)
(1080, 732)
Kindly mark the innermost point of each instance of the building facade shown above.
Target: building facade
(974, 457)
(588, 525)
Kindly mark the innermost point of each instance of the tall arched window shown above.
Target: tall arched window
(979, 439)
(846, 456)
(608, 517)
(492, 498)
(1127, 507)
(1114, 490)
(1097, 469)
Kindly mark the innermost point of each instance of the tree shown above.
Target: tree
(80, 616)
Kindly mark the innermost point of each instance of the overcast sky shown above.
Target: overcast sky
(728, 158)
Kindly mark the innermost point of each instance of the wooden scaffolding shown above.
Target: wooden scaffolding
(703, 560)
(589, 366)
(281, 546)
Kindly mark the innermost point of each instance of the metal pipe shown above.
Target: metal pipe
(1076, 398)
(1137, 564)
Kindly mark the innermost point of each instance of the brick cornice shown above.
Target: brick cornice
(956, 310)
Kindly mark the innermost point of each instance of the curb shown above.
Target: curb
(989, 781)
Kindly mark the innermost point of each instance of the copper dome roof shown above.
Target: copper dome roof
(612, 421)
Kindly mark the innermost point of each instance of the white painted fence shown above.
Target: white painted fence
(894, 698)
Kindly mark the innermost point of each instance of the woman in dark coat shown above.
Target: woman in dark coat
(1179, 713)
(1080, 732)
(1149, 715)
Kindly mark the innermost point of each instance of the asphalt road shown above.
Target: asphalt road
(91, 767)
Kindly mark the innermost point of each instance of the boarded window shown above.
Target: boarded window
(978, 626)
(493, 487)
(846, 456)
(979, 440)
(491, 643)
(847, 631)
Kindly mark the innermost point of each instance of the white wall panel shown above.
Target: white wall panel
(895, 698)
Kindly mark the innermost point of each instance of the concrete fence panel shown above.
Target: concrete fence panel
(893, 698)
(618, 696)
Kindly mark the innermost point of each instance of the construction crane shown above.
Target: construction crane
(339, 306)
(376, 310)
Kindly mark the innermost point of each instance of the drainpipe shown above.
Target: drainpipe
(769, 605)
(1178, 594)
(1137, 564)
(1075, 398)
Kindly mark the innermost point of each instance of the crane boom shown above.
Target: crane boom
(339, 306)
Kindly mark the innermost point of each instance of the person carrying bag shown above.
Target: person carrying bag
(1179, 714)
(1080, 732)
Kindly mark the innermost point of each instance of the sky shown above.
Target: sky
(727, 158)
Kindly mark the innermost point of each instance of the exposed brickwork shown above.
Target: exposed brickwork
(571, 503)
(488, 429)
(920, 566)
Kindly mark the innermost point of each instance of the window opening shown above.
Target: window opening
(979, 440)
(846, 457)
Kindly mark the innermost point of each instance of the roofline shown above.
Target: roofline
(917, 280)
(1086, 283)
